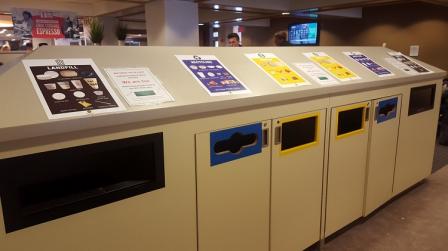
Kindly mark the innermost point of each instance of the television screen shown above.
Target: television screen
(304, 34)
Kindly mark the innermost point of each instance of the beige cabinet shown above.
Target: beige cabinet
(297, 167)
(418, 128)
(233, 188)
(382, 152)
(349, 133)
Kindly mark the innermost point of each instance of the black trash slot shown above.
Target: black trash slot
(421, 99)
(299, 132)
(45, 186)
(236, 143)
(384, 111)
(350, 120)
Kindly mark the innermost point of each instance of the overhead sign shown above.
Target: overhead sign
(32, 23)
(49, 27)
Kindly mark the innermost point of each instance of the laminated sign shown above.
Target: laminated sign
(71, 87)
(278, 70)
(332, 66)
(368, 63)
(213, 76)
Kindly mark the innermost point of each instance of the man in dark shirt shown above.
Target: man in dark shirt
(233, 40)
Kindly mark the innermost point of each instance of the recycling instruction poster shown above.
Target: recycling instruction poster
(405, 64)
(278, 70)
(332, 66)
(71, 87)
(316, 73)
(139, 86)
(368, 63)
(213, 76)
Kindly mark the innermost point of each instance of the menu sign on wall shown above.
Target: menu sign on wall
(369, 64)
(139, 86)
(332, 66)
(405, 64)
(278, 70)
(212, 75)
(71, 87)
(47, 27)
(46, 24)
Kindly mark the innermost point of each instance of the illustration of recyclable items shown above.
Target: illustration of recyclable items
(235, 143)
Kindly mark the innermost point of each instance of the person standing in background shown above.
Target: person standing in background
(5, 47)
(281, 39)
(233, 40)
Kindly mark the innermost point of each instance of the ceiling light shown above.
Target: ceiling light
(285, 13)
(216, 6)
(239, 19)
(216, 26)
(216, 22)
(239, 9)
(3, 31)
(201, 24)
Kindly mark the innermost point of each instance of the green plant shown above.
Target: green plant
(121, 31)
(96, 31)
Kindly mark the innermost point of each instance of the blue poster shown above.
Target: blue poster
(235, 143)
(386, 110)
(369, 64)
(212, 75)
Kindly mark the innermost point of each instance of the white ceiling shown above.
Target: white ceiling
(101, 7)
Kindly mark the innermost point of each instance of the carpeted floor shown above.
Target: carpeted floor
(417, 220)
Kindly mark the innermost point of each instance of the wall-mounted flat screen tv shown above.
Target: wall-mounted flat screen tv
(304, 33)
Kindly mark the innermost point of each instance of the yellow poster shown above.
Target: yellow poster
(332, 66)
(278, 70)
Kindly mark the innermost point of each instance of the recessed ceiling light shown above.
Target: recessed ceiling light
(216, 22)
(239, 19)
(239, 9)
(201, 24)
(216, 26)
(216, 6)
(285, 13)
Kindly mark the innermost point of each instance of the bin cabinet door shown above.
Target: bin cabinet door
(416, 140)
(346, 165)
(233, 188)
(296, 192)
(382, 152)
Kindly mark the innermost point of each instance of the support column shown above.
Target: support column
(172, 23)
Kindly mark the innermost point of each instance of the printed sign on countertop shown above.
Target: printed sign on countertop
(316, 73)
(71, 87)
(367, 62)
(405, 64)
(139, 86)
(332, 66)
(213, 76)
(278, 70)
